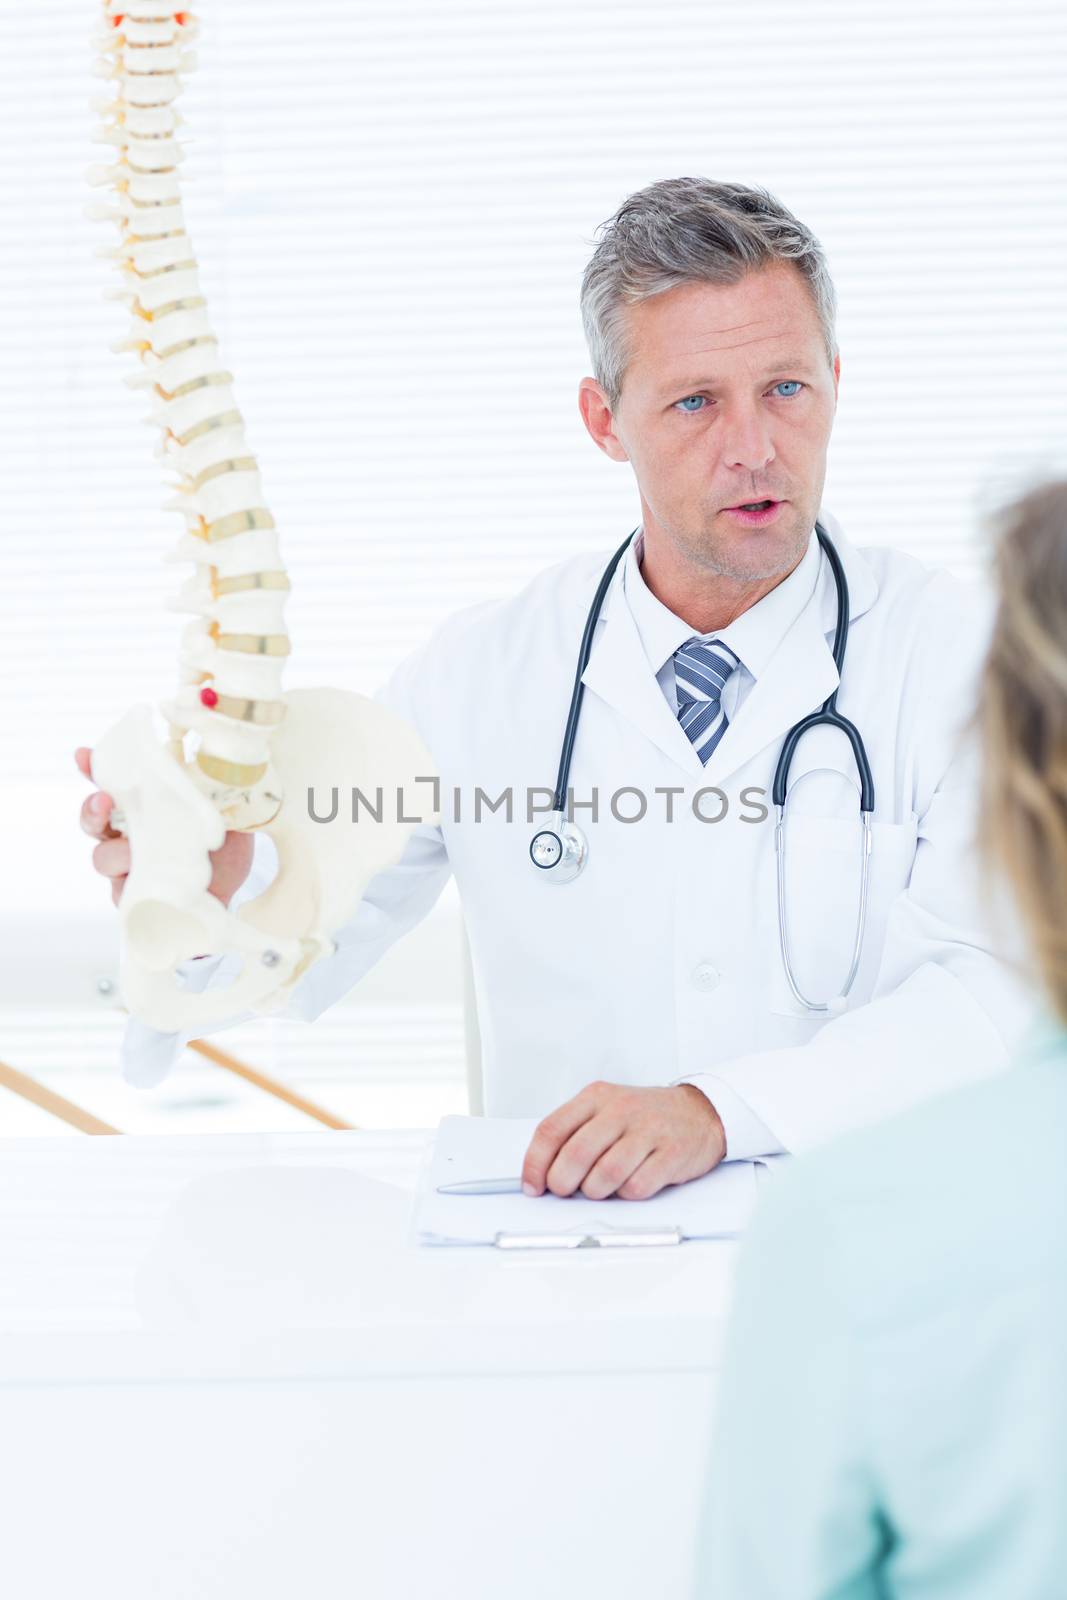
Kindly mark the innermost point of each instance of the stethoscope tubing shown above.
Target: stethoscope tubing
(828, 715)
(570, 849)
(559, 800)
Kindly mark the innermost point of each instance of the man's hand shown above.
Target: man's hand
(613, 1139)
(230, 863)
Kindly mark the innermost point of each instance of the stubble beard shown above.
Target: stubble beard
(773, 554)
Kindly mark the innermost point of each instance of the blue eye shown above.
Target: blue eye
(693, 404)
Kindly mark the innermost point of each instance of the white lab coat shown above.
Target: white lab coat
(660, 962)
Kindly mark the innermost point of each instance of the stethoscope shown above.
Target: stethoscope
(561, 850)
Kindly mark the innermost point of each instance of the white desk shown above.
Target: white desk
(227, 1371)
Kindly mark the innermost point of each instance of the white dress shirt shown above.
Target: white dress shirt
(753, 637)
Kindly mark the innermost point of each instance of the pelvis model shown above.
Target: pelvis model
(238, 753)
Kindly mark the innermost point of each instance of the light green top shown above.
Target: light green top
(892, 1418)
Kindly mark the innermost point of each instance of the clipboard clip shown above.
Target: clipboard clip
(611, 1239)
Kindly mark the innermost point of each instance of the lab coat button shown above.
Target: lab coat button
(705, 976)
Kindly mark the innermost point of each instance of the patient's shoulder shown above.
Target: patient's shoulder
(948, 1204)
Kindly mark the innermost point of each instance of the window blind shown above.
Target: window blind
(392, 207)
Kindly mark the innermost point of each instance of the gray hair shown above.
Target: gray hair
(690, 230)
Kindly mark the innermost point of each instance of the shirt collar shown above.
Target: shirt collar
(754, 636)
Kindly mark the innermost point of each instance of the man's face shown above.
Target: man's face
(728, 398)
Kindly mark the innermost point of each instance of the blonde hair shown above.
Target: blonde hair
(1022, 721)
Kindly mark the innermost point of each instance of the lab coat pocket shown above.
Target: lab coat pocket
(823, 873)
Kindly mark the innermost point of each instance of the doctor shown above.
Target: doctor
(643, 1009)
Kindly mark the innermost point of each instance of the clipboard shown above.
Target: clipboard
(716, 1206)
(623, 1238)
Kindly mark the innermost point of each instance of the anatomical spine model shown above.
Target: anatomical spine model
(259, 754)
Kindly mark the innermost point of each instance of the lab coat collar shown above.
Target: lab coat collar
(796, 679)
(753, 636)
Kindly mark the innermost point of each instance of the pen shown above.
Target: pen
(483, 1186)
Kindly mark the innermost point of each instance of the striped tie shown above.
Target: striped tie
(701, 668)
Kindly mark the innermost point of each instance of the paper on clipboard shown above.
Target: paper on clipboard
(717, 1206)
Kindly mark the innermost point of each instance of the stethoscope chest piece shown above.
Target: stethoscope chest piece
(559, 852)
